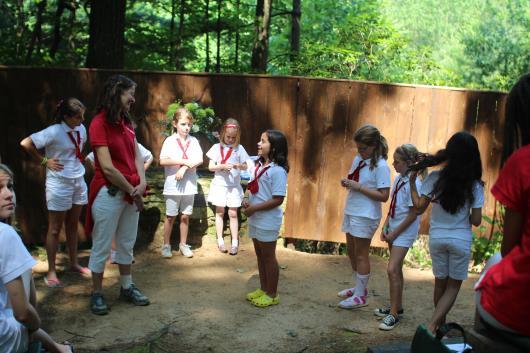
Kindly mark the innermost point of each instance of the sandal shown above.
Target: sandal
(255, 294)
(83, 271)
(265, 301)
(53, 283)
(233, 250)
(222, 248)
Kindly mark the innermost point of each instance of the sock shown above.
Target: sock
(220, 241)
(362, 283)
(354, 276)
(126, 281)
(235, 242)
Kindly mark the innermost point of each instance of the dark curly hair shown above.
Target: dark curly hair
(517, 117)
(110, 98)
(462, 169)
(279, 151)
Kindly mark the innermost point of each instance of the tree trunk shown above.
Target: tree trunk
(106, 30)
(218, 28)
(57, 28)
(36, 37)
(207, 30)
(295, 29)
(179, 63)
(261, 41)
(172, 33)
(236, 58)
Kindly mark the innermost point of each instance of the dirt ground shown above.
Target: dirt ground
(198, 305)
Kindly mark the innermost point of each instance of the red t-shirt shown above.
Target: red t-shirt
(120, 140)
(506, 286)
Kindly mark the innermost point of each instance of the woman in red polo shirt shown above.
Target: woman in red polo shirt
(503, 292)
(115, 196)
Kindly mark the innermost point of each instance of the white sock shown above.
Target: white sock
(362, 283)
(220, 241)
(126, 281)
(354, 276)
(235, 242)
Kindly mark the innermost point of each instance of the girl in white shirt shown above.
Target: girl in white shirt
(267, 188)
(368, 185)
(457, 194)
(66, 190)
(400, 230)
(227, 159)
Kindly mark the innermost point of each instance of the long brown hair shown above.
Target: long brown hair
(110, 98)
(517, 121)
(68, 107)
(370, 136)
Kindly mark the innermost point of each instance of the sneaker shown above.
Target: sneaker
(349, 292)
(166, 251)
(185, 250)
(389, 322)
(353, 302)
(98, 305)
(255, 294)
(133, 295)
(384, 312)
(233, 250)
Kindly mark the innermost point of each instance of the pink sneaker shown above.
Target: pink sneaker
(349, 292)
(353, 302)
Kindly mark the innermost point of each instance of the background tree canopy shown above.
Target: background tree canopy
(473, 44)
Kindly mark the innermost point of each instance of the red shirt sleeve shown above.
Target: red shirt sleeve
(508, 188)
(98, 132)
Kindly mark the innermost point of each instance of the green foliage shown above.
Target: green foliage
(419, 255)
(204, 120)
(484, 246)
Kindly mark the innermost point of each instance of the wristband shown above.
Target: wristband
(44, 161)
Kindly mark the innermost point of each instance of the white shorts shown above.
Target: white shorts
(450, 258)
(263, 235)
(176, 203)
(16, 337)
(222, 196)
(405, 240)
(62, 193)
(360, 227)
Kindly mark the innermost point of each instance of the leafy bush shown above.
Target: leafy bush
(204, 120)
(482, 246)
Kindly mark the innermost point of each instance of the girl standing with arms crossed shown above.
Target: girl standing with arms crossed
(369, 185)
(457, 194)
(267, 188)
(400, 230)
(66, 190)
(181, 154)
(227, 158)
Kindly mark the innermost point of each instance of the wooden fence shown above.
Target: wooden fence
(318, 116)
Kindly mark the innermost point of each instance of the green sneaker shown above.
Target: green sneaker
(98, 305)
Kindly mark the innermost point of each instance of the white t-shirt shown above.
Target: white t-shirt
(445, 225)
(144, 153)
(403, 205)
(15, 261)
(171, 149)
(224, 177)
(271, 183)
(360, 205)
(54, 139)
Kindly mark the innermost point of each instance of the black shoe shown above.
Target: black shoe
(98, 305)
(389, 322)
(383, 312)
(133, 295)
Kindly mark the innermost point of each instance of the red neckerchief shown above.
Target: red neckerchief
(184, 155)
(228, 154)
(392, 209)
(253, 186)
(76, 144)
(355, 175)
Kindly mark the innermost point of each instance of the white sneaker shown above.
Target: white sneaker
(166, 251)
(353, 302)
(349, 292)
(185, 250)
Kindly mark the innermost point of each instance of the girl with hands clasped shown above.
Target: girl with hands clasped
(457, 194)
(227, 159)
(267, 188)
(181, 154)
(368, 185)
(400, 230)
(66, 190)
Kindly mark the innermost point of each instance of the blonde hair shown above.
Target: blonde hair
(231, 123)
(409, 153)
(5, 169)
(370, 136)
(182, 113)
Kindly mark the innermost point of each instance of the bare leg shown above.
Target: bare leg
(445, 303)
(71, 223)
(219, 221)
(271, 267)
(351, 251)
(184, 226)
(55, 223)
(234, 224)
(97, 282)
(395, 277)
(261, 267)
(362, 247)
(168, 227)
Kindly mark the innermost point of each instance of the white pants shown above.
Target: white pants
(112, 216)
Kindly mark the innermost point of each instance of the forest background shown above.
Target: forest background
(472, 44)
